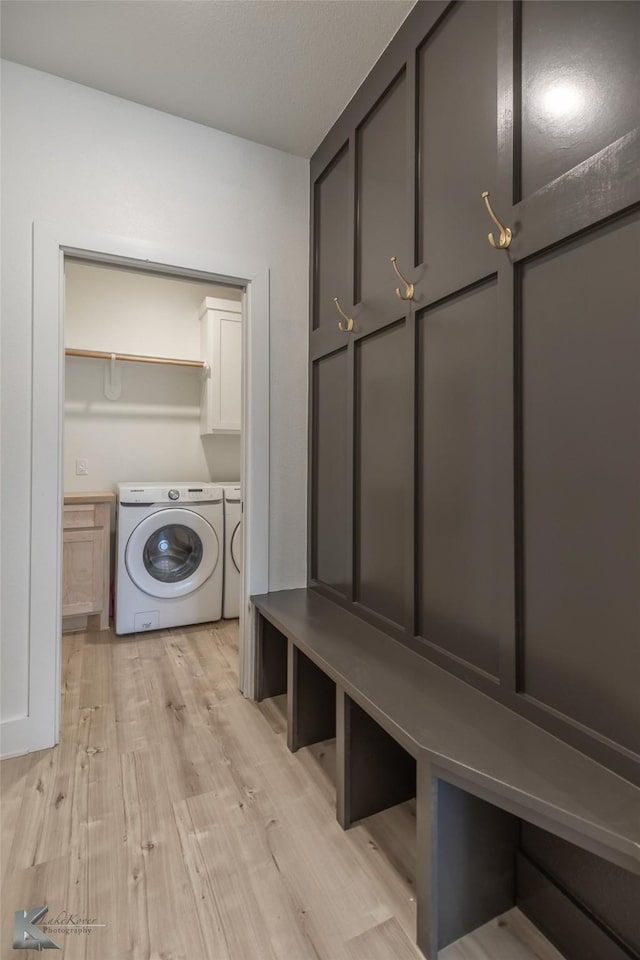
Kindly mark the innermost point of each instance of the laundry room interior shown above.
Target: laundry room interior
(155, 420)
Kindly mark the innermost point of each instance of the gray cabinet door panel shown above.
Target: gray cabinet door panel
(330, 511)
(332, 256)
(465, 506)
(580, 83)
(581, 468)
(457, 91)
(381, 472)
(382, 228)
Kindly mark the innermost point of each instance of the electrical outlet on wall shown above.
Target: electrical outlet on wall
(82, 467)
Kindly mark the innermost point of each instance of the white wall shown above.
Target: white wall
(152, 432)
(74, 156)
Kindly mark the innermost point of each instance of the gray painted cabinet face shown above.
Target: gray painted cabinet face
(491, 443)
(580, 83)
(381, 474)
(611, 893)
(581, 464)
(457, 89)
(330, 488)
(490, 431)
(577, 390)
(463, 551)
(382, 189)
(464, 548)
(331, 242)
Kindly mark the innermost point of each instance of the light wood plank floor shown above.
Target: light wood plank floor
(173, 813)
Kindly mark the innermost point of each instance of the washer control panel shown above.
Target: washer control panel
(150, 493)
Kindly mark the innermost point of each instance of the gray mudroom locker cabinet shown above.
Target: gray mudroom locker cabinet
(474, 467)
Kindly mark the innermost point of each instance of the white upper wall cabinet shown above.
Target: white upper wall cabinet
(221, 348)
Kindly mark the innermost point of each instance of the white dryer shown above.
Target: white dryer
(232, 550)
(169, 555)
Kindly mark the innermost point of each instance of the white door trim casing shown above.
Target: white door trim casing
(51, 242)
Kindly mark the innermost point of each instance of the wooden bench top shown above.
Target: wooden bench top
(475, 742)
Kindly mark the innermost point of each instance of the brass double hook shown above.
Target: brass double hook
(349, 326)
(504, 240)
(409, 293)
(410, 288)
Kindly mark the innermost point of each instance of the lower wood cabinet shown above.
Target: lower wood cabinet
(86, 561)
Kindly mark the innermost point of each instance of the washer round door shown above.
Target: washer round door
(171, 553)
(236, 546)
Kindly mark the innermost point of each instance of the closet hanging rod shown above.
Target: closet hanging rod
(133, 358)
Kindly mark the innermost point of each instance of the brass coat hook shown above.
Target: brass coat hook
(408, 294)
(349, 326)
(504, 239)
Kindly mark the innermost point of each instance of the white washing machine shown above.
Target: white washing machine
(169, 555)
(232, 550)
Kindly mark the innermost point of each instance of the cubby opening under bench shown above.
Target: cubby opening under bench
(495, 794)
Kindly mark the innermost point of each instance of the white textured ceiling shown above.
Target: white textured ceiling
(275, 71)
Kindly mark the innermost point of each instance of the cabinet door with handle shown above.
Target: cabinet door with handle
(221, 348)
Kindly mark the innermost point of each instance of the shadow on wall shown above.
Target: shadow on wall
(223, 454)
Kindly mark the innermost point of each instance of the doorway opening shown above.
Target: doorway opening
(55, 247)
(153, 401)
